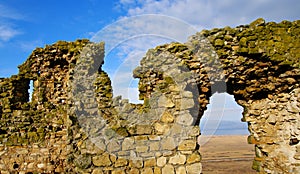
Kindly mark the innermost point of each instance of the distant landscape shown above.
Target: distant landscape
(224, 128)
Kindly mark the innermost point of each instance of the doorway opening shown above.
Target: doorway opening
(223, 140)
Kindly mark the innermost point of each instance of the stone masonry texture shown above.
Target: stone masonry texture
(73, 124)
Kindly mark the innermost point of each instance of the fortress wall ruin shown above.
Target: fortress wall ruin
(73, 124)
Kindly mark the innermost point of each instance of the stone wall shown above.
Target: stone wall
(74, 125)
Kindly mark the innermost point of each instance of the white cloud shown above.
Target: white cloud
(175, 21)
(129, 38)
(9, 13)
(7, 17)
(219, 13)
(29, 46)
(6, 32)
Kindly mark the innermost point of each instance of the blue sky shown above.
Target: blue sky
(27, 24)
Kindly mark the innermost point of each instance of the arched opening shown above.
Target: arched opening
(223, 140)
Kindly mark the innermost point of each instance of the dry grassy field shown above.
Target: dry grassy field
(226, 154)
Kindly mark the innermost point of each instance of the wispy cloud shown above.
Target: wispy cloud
(134, 34)
(7, 18)
(9, 13)
(216, 13)
(129, 38)
(7, 32)
(28, 46)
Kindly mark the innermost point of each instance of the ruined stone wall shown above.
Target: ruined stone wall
(33, 134)
(74, 125)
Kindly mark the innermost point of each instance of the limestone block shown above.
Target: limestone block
(161, 161)
(161, 128)
(97, 171)
(168, 143)
(185, 118)
(102, 160)
(142, 148)
(143, 129)
(121, 162)
(177, 159)
(194, 168)
(128, 143)
(193, 158)
(147, 170)
(154, 146)
(113, 146)
(133, 171)
(168, 169)
(118, 171)
(136, 163)
(167, 117)
(180, 170)
(187, 145)
(187, 103)
(163, 101)
(150, 162)
(157, 170)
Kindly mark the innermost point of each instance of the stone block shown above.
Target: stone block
(167, 117)
(168, 143)
(180, 170)
(128, 144)
(193, 158)
(121, 162)
(168, 169)
(187, 145)
(177, 159)
(194, 168)
(150, 162)
(102, 160)
(161, 161)
(147, 170)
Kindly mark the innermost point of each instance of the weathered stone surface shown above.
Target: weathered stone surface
(168, 169)
(102, 160)
(193, 158)
(180, 170)
(157, 170)
(167, 117)
(52, 132)
(187, 145)
(143, 129)
(118, 171)
(185, 118)
(97, 171)
(194, 168)
(121, 162)
(161, 128)
(83, 161)
(147, 171)
(177, 159)
(150, 162)
(128, 143)
(161, 161)
(163, 101)
(134, 171)
(136, 163)
(168, 143)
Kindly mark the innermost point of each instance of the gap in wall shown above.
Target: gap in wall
(30, 90)
(223, 140)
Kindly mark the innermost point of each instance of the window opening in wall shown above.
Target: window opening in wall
(223, 140)
(30, 90)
